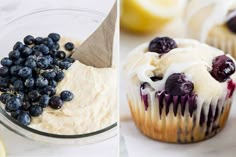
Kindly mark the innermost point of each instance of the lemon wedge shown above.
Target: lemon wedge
(144, 16)
(2, 150)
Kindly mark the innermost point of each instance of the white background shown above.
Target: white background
(18, 146)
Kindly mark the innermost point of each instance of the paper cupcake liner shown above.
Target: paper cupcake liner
(227, 44)
(177, 119)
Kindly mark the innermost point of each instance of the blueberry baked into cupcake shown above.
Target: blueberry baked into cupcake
(213, 22)
(179, 90)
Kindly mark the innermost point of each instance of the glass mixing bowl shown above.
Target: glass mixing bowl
(74, 23)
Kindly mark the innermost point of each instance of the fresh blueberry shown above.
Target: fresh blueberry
(20, 95)
(69, 59)
(35, 110)
(25, 72)
(177, 85)
(64, 65)
(5, 97)
(13, 79)
(31, 63)
(14, 70)
(69, 46)
(15, 114)
(162, 45)
(44, 100)
(38, 40)
(55, 102)
(49, 90)
(55, 47)
(66, 95)
(29, 82)
(60, 54)
(26, 105)
(43, 63)
(56, 61)
(41, 82)
(18, 85)
(18, 46)
(18, 61)
(15, 54)
(48, 42)
(26, 51)
(5, 89)
(33, 95)
(37, 53)
(4, 71)
(24, 118)
(29, 40)
(49, 74)
(52, 83)
(222, 68)
(155, 78)
(49, 58)
(59, 76)
(44, 49)
(4, 82)
(6, 62)
(13, 103)
(54, 36)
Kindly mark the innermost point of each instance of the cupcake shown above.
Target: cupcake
(213, 22)
(179, 90)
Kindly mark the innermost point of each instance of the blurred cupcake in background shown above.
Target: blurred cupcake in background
(213, 22)
(145, 16)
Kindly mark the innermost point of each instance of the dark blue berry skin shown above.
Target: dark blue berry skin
(162, 45)
(5, 89)
(26, 105)
(15, 54)
(24, 118)
(59, 76)
(18, 61)
(50, 75)
(66, 95)
(38, 40)
(13, 103)
(52, 83)
(55, 102)
(13, 79)
(4, 82)
(54, 36)
(37, 53)
(43, 63)
(60, 54)
(49, 90)
(41, 82)
(5, 97)
(48, 42)
(18, 46)
(44, 101)
(55, 47)
(15, 114)
(68, 59)
(29, 82)
(14, 70)
(69, 46)
(44, 49)
(33, 95)
(25, 72)
(6, 62)
(18, 85)
(31, 63)
(64, 65)
(35, 110)
(29, 40)
(26, 51)
(4, 71)
(49, 58)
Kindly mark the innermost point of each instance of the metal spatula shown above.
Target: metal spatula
(97, 49)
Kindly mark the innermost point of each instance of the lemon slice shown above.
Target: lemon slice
(149, 15)
(2, 150)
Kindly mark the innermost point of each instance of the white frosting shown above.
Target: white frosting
(217, 14)
(191, 57)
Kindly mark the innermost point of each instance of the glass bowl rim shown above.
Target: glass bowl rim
(41, 133)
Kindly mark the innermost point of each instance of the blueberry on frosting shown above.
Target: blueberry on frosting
(162, 45)
(177, 85)
(222, 68)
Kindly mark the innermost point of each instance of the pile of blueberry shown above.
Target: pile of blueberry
(30, 74)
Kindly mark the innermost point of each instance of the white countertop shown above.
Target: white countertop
(138, 145)
(18, 146)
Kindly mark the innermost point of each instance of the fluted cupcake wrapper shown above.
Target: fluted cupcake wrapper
(177, 119)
